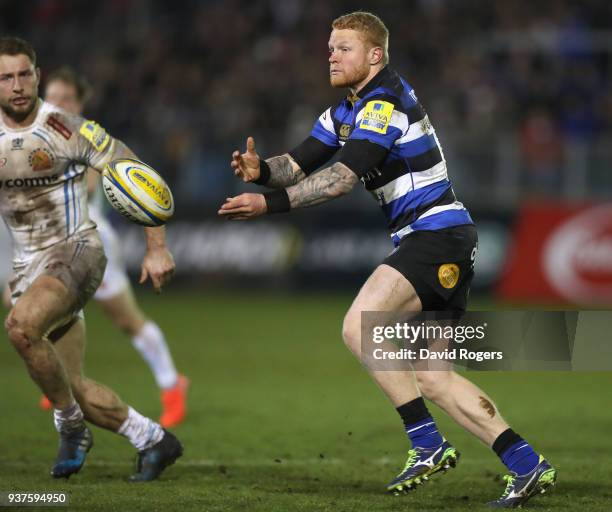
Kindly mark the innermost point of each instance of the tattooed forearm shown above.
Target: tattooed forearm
(284, 172)
(325, 185)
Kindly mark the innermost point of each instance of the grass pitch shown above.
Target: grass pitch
(281, 417)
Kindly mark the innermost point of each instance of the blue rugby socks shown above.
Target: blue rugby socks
(420, 426)
(516, 453)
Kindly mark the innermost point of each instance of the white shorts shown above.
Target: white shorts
(115, 279)
(77, 262)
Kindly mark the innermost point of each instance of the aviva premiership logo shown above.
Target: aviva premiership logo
(95, 134)
(151, 187)
(377, 116)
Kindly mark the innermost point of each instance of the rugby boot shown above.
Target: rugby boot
(520, 488)
(423, 463)
(174, 403)
(152, 461)
(73, 449)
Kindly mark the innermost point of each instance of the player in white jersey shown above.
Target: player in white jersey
(67, 90)
(58, 262)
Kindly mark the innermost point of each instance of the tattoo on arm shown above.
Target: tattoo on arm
(323, 186)
(284, 172)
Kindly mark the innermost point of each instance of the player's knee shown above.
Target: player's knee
(22, 339)
(433, 384)
(351, 333)
(21, 333)
(124, 317)
(129, 325)
(123, 324)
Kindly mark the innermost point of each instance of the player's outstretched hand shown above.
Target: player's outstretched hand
(158, 264)
(246, 165)
(244, 207)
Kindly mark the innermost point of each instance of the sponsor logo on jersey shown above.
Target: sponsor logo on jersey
(448, 275)
(17, 144)
(38, 181)
(41, 159)
(54, 123)
(95, 134)
(377, 116)
(3, 162)
(344, 131)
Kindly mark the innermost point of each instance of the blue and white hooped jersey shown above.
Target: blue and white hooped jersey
(411, 185)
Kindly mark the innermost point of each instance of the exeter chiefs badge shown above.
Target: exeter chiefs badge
(448, 275)
(41, 159)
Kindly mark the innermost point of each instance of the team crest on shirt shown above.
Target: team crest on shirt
(448, 275)
(377, 116)
(3, 162)
(344, 131)
(41, 159)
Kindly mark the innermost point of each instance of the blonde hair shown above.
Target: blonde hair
(371, 26)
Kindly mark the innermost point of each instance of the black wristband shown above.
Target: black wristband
(264, 173)
(277, 201)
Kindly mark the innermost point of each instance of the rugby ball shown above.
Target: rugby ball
(137, 192)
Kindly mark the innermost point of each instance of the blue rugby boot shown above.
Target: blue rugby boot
(152, 461)
(519, 489)
(421, 464)
(73, 449)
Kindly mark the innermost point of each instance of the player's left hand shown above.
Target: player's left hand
(244, 207)
(158, 264)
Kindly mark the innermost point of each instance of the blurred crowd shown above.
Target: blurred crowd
(519, 91)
